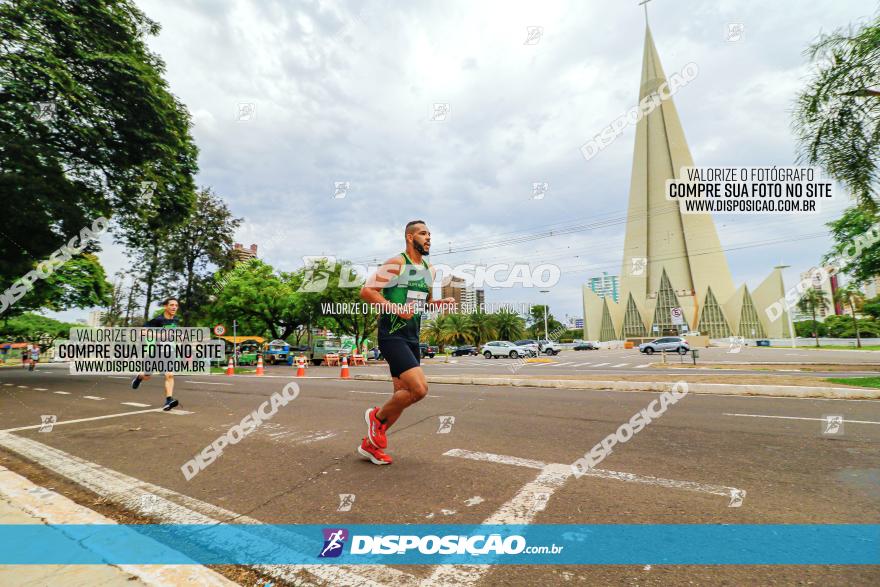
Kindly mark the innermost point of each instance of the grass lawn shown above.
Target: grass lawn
(865, 347)
(858, 381)
(237, 370)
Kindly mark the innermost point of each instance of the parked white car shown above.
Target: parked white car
(549, 347)
(504, 348)
(667, 343)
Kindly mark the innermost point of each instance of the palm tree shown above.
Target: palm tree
(837, 116)
(508, 325)
(850, 296)
(432, 330)
(455, 330)
(480, 327)
(813, 301)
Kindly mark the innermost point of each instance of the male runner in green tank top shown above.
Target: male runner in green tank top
(401, 289)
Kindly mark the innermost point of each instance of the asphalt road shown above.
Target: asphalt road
(293, 468)
(619, 362)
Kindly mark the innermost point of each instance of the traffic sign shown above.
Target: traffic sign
(219, 330)
(677, 316)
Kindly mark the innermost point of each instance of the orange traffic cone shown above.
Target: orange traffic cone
(300, 367)
(259, 364)
(344, 374)
(230, 370)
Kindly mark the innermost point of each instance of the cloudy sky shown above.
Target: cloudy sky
(344, 91)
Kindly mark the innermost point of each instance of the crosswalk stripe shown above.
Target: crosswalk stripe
(62, 392)
(94, 397)
(643, 366)
(564, 364)
(40, 389)
(135, 404)
(581, 364)
(600, 364)
(620, 365)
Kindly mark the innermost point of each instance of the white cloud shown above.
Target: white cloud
(343, 93)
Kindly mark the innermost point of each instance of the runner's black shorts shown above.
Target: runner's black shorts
(401, 354)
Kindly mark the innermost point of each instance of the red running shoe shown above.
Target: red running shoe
(375, 455)
(375, 429)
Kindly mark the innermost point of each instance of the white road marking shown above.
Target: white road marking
(521, 509)
(169, 507)
(581, 364)
(119, 377)
(564, 364)
(40, 389)
(493, 458)
(601, 473)
(205, 382)
(53, 508)
(62, 392)
(474, 501)
(601, 364)
(8, 384)
(620, 365)
(798, 418)
(317, 436)
(22, 386)
(643, 366)
(179, 412)
(93, 397)
(135, 404)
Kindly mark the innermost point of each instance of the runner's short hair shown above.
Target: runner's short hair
(167, 300)
(412, 223)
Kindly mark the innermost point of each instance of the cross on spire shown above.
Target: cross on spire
(645, 4)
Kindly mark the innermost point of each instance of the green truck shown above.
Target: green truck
(326, 346)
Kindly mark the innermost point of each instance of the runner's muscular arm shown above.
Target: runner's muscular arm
(371, 293)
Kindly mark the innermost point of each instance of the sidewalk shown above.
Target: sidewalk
(22, 502)
(829, 390)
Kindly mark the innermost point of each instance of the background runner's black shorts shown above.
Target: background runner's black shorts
(402, 355)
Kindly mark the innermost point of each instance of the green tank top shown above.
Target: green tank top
(413, 285)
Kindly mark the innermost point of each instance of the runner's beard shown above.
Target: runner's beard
(420, 248)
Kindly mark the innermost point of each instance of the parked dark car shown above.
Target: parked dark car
(428, 350)
(465, 350)
(586, 346)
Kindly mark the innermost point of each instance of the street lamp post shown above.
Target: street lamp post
(235, 342)
(546, 333)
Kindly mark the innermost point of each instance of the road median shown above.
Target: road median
(829, 392)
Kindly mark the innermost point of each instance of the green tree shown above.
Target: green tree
(536, 322)
(433, 331)
(480, 327)
(806, 329)
(32, 327)
(862, 263)
(113, 312)
(456, 330)
(853, 298)
(508, 324)
(872, 307)
(78, 283)
(193, 246)
(263, 303)
(343, 288)
(812, 302)
(85, 117)
(837, 117)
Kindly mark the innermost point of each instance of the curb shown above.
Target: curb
(659, 386)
